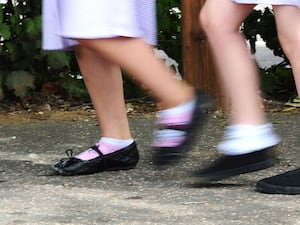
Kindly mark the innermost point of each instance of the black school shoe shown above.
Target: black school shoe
(287, 183)
(163, 156)
(123, 159)
(227, 166)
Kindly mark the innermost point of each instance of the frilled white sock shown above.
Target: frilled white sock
(173, 118)
(180, 114)
(243, 139)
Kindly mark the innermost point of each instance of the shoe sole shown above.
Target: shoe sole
(234, 172)
(64, 173)
(275, 189)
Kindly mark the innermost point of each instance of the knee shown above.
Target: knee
(209, 22)
(204, 19)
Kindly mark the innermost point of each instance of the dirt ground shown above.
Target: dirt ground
(14, 112)
(60, 109)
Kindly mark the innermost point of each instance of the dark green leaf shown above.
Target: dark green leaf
(4, 31)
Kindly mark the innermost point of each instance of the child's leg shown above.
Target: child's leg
(134, 56)
(288, 24)
(185, 108)
(104, 82)
(288, 27)
(221, 20)
(105, 85)
(248, 137)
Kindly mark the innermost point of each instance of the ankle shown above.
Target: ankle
(108, 145)
(187, 95)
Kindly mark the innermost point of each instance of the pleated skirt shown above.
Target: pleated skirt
(64, 20)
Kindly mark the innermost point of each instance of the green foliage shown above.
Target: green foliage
(20, 35)
(277, 81)
(57, 60)
(169, 28)
(20, 82)
(75, 87)
(262, 22)
(20, 49)
(22, 60)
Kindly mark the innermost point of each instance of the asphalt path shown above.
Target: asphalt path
(31, 194)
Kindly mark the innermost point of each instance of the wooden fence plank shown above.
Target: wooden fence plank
(198, 66)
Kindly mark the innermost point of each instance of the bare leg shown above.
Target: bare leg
(288, 23)
(236, 68)
(248, 138)
(184, 108)
(133, 55)
(98, 60)
(104, 83)
(116, 150)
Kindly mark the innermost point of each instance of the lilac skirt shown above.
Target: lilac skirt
(64, 20)
(270, 2)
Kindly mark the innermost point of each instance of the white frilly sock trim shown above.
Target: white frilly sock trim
(243, 139)
(185, 107)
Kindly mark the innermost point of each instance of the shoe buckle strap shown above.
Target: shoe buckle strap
(69, 153)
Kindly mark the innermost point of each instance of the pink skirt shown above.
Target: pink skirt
(64, 20)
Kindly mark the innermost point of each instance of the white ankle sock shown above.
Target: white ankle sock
(173, 117)
(185, 107)
(110, 145)
(243, 139)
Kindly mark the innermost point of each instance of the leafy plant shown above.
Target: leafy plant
(169, 28)
(20, 48)
(22, 60)
(277, 81)
(20, 82)
(75, 87)
(21, 57)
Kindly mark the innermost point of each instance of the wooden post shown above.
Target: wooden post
(198, 66)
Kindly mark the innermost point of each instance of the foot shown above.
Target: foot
(123, 159)
(227, 166)
(287, 183)
(169, 149)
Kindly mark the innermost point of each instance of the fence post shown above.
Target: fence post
(198, 66)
